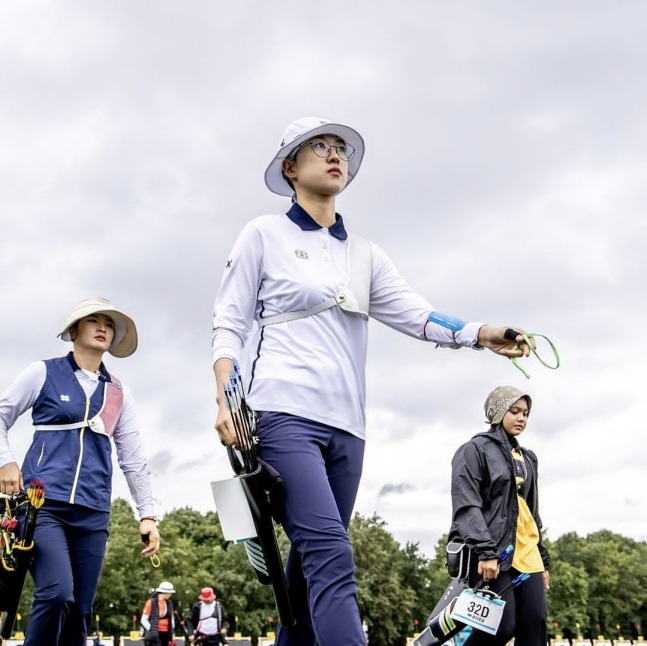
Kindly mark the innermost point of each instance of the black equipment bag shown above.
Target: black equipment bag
(17, 523)
(459, 556)
(264, 492)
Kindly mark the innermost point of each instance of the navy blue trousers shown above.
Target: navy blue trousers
(524, 614)
(321, 468)
(70, 543)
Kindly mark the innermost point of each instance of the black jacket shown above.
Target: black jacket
(484, 495)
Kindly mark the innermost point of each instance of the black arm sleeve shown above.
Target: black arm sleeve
(467, 501)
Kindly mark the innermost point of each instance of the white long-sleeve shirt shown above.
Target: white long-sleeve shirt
(313, 367)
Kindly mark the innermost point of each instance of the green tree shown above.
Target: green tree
(190, 542)
(597, 579)
(208, 560)
(386, 603)
(615, 569)
(418, 574)
(126, 576)
(567, 599)
(24, 607)
(617, 574)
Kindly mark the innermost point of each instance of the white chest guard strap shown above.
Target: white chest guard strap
(105, 421)
(354, 298)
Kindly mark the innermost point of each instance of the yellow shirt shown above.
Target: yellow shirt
(526, 551)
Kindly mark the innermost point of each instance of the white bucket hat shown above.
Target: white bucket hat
(124, 342)
(301, 130)
(165, 587)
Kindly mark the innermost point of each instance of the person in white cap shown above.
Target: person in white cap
(77, 406)
(310, 287)
(157, 616)
(494, 506)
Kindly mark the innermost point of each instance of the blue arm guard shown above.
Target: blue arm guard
(449, 322)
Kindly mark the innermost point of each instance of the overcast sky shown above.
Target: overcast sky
(505, 175)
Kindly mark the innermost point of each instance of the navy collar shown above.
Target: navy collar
(302, 219)
(103, 373)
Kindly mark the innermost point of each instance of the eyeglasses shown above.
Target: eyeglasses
(320, 148)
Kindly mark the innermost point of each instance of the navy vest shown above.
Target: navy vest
(74, 465)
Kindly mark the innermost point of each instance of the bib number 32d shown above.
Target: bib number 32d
(480, 611)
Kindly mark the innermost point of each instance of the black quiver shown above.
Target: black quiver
(264, 492)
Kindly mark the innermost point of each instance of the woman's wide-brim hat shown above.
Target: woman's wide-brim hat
(500, 400)
(165, 587)
(300, 131)
(124, 342)
(207, 594)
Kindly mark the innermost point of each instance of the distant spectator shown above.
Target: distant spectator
(157, 616)
(207, 625)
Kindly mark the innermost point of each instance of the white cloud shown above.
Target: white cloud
(504, 176)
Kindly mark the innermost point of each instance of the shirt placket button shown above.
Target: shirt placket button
(325, 245)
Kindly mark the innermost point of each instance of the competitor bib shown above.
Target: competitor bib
(482, 612)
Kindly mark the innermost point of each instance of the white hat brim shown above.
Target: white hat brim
(164, 591)
(274, 179)
(125, 340)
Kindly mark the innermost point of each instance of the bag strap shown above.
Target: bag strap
(299, 314)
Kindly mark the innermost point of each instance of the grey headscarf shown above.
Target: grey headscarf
(500, 400)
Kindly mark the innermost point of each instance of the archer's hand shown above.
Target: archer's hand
(11, 479)
(494, 339)
(225, 426)
(224, 423)
(148, 528)
(489, 569)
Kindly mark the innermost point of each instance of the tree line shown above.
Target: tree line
(598, 583)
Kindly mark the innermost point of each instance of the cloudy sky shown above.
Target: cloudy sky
(504, 175)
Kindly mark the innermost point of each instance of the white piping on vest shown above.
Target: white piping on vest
(354, 298)
(42, 452)
(80, 460)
